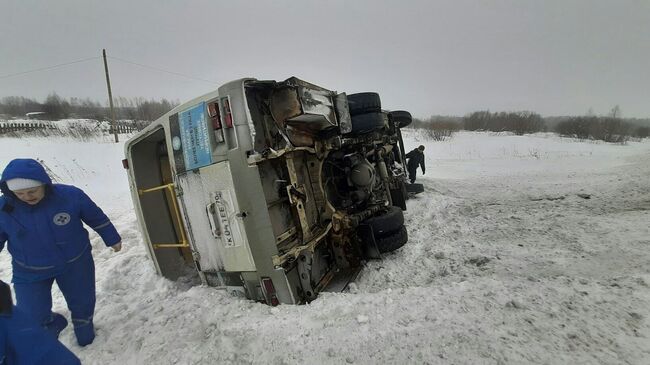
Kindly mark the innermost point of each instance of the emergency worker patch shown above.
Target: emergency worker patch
(61, 219)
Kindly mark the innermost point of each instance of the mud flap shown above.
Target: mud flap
(369, 249)
(399, 196)
(341, 279)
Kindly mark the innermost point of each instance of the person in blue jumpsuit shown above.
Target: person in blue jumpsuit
(23, 341)
(42, 225)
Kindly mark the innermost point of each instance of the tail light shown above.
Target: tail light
(125, 164)
(228, 112)
(269, 292)
(215, 118)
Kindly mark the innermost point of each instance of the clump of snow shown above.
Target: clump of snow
(507, 262)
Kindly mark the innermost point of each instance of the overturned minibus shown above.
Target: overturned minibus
(272, 190)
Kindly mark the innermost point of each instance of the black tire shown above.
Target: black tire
(387, 223)
(401, 117)
(415, 188)
(366, 123)
(392, 242)
(363, 103)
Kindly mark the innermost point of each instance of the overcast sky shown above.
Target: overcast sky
(428, 57)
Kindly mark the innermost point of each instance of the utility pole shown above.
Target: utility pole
(110, 97)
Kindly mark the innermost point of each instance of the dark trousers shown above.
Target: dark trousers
(412, 173)
(77, 283)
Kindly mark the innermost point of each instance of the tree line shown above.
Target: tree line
(55, 107)
(519, 123)
(609, 128)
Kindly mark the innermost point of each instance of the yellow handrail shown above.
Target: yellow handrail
(177, 214)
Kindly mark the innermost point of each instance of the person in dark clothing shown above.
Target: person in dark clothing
(42, 224)
(414, 159)
(23, 341)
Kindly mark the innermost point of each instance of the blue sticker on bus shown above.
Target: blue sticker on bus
(195, 137)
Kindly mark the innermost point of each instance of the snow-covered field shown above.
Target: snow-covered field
(523, 249)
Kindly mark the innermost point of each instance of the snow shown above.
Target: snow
(507, 263)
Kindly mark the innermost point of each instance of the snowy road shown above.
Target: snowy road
(530, 249)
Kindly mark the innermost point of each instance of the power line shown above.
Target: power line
(114, 58)
(161, 70)
(48, 68)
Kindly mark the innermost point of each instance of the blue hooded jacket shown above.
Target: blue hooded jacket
(43, 238)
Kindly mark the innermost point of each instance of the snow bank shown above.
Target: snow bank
(508, 262)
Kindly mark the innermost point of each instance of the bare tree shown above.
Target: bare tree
(616, 112)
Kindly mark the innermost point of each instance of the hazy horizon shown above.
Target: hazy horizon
(105, 104)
